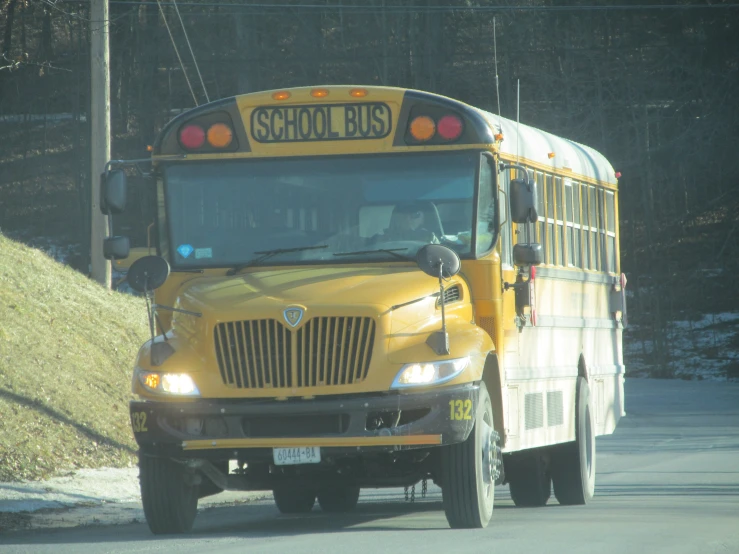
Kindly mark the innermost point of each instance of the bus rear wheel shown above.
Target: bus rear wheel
(469, 471)
(170, 501)
(573, 464)
(294, 499)
(338, 500)
(529, 480)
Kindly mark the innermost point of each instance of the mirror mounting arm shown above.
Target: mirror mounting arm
(502, 167)
(135, 163)
(443, 263)
(518, 285)
(439, 340)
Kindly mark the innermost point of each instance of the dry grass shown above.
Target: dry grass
(66, 350)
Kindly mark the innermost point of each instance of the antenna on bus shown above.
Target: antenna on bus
(518, 117)
(497, 82)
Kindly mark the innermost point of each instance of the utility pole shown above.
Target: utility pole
(99, 133)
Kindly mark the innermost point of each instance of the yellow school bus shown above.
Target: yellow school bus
(363, 287)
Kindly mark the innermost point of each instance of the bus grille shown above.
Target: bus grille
(334, 350)
(254, 354)
(259, 354)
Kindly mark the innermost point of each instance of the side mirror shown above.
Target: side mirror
(523, 201)
(432, 256)
(116, 248)
(113, 189)
(148, 273)
(528, 254)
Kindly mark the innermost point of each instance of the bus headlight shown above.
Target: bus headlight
(429, 373)
(180, 384)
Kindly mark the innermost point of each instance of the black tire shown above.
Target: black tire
(469, 470)
(170, 502)
(294, 499)
(529, 480)
(573, 464)
(338, 500)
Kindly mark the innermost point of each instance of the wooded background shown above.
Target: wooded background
(653, 85)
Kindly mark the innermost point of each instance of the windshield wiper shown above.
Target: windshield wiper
(264, 254)
(392, 251)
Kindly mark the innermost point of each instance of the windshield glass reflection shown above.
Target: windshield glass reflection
(223, 214)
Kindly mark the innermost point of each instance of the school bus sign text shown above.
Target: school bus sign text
(368, 120)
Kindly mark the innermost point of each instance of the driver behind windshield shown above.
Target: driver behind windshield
(407, 223)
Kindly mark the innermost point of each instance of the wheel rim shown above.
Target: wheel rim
(588, 441)
(489, 455)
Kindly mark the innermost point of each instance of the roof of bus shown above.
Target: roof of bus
(527, 143)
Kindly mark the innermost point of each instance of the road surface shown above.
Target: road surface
(667, 481)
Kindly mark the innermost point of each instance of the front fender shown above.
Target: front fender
(465, 339)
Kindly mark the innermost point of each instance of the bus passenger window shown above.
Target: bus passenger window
(594, 229)
(576, 225)
(559, 209)
(550, 250)
(570, 238)
(587, 252)
(611, 230)
(541, 226)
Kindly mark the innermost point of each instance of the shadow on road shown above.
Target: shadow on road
(260, 519)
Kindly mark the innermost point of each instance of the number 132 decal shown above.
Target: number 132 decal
(460, 410)
(138, 422)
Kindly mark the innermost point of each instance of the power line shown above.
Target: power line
(184, 30)
(398, 8)
(72, 15)
(184, 72)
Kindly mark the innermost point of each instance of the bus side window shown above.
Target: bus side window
(486, 207)
(587, 251)
(611, 230)
(506, 246)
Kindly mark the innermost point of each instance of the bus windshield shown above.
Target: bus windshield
(319, 209)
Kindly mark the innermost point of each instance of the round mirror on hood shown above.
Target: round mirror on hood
(148, 273)
(431, 256)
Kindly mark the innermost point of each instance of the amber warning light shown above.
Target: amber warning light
(423, 128)
(218, 135)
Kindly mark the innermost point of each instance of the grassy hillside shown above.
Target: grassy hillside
(66, 351)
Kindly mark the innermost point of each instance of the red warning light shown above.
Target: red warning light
(192, 137)
(450, 127)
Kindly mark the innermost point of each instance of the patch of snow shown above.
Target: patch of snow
(80, 488)
(704, 348)
(59, 248)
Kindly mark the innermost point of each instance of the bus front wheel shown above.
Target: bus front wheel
(469, 470)
(170, 501)
(573, 464)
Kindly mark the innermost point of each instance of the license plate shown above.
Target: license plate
(298, 455)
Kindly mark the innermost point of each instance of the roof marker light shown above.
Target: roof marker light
(319, 93)
(281, 95)
(358, 92)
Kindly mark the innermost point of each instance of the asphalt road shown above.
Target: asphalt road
(668, 481)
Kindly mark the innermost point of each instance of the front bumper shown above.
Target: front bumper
(250, 428)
